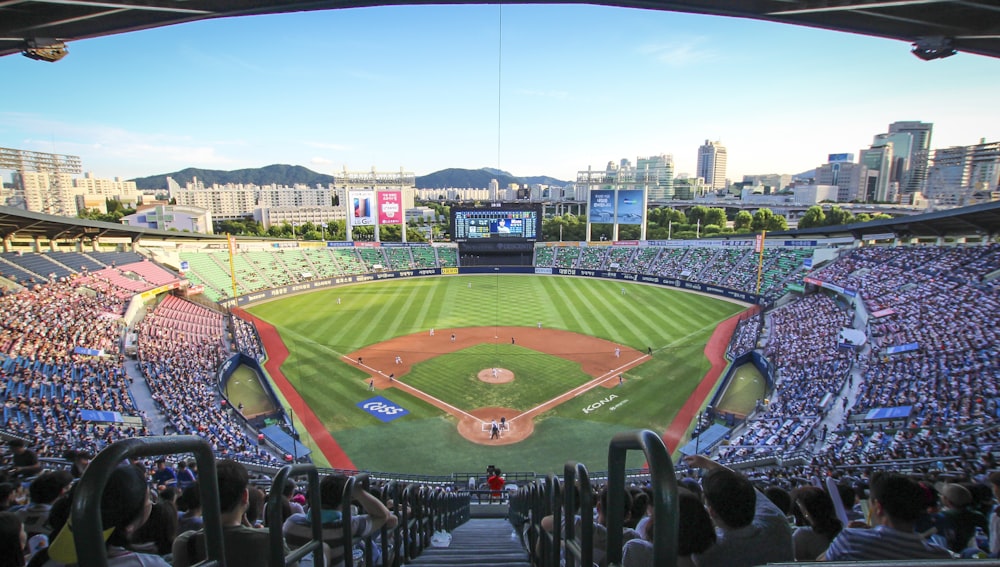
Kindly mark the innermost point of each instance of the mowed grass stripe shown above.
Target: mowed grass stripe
(594, 300)
(569, 294)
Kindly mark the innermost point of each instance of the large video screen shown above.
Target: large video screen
(496, 223)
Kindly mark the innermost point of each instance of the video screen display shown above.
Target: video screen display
(498, 223)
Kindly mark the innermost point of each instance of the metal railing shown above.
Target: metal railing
(421, 509)
(556, 499)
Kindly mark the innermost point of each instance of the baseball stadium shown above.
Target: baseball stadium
(495, 397)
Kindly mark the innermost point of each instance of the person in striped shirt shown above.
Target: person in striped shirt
(896, 502)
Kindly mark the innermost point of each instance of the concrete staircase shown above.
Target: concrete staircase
(479, 541)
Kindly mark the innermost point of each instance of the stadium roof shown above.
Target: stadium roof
(935, 26)
(22, 224)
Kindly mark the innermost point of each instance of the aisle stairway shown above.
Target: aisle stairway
(478, 542)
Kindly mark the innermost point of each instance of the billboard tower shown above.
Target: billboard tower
(375, 198)
(616, 196)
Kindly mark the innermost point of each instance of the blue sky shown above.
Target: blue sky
(534, 90)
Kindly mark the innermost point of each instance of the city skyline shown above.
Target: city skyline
(532, 90)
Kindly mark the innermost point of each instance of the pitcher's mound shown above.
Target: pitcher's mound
(496, 375)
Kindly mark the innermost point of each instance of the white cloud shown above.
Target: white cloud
(320, 161)
(680, 52)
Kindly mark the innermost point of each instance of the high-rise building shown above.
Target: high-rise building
(849, 177)
(655, 174)
(878, 186)
(712, 164)
(964, 175)
(913, 177)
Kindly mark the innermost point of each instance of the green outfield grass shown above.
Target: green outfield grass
(318, 330)
(454, 377)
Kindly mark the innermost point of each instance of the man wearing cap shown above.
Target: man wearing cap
(957, 522)
(896, 501)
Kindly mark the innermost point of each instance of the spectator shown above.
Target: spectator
(81, 459)
(995, 516)
(244, 546)
(957, 522)
(44, 490)
(125, 506)
(751, 530)
(298, 527)
(189, 505)
(695, 534)
(25, 462)
(815, 507)
(12, 540)
(896, 503)
(163, 476)
(185, 475)
(157, 534)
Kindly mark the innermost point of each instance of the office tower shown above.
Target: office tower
(712, 164)
(913, 177)
(656, 175)
(849, 177)
(878, 186)
(964, 175)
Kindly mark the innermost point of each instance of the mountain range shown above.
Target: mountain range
(295, 174)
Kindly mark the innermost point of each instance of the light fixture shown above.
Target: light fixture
(934, 47)
(50, 50)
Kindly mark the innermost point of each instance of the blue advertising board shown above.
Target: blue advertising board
(631, 206)
(602, 206)
(382, 408)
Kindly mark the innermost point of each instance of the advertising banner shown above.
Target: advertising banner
(631, 206)
(602, 206)
(362, 208)
(390, 207)
(382, 408)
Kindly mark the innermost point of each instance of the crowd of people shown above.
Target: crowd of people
(152, 516)
(180, 368)
(730, 267)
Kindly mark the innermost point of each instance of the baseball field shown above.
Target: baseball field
(408, 375)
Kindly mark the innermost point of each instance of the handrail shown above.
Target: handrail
(584, 550)
(86, 507)
(276, 534)
(664, 484)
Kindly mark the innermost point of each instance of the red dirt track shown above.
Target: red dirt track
(277, 353)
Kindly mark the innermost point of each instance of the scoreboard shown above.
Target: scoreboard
(496, 223)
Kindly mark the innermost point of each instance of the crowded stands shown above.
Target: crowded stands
(928, 314)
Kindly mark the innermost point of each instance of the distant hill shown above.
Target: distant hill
(278, 173)
(479, 179)
(295, 174)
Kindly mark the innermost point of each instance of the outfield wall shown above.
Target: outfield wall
(325, 283)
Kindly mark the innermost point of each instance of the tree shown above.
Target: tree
(698, 213)
(777, 222)
(838, 216)
(716, 216)
(743, 220)
(765, 219)
(761, 218)
(814, 217)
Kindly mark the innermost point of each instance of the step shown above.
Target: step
(479, 541)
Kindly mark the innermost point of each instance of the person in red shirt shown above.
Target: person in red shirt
(496, 483)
